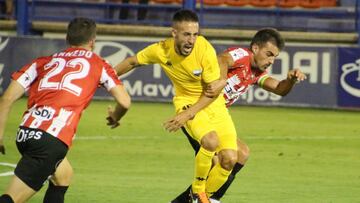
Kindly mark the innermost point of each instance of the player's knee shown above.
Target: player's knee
(228, 159)
(63, 174)
(210, 141)
(243, 152)
(66, 177)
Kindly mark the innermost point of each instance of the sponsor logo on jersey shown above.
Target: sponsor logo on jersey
(44, 113)
(26, 134)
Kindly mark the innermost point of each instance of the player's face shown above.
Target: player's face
(264, 56)
(185, 34)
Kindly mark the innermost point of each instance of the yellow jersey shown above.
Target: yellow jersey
(187, 73)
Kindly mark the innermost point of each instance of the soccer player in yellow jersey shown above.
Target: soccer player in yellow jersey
(190, 62)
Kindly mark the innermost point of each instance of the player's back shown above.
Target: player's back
(67, 78)
(60, 87)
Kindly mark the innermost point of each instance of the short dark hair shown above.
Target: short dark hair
(80, 31)
(185, 15)
(268, 35)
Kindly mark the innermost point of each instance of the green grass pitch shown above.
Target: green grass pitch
(297, 156)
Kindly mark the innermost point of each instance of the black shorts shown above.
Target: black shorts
(41, 154)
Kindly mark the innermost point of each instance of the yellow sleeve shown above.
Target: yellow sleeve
(149, 54)
(211, 70)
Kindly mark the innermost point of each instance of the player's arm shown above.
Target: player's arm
(225, 62)
(181, 118)
(123, 104)
(283, 87)
(126, 65)
(12, 93)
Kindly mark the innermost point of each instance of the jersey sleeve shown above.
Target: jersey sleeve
(108, 77)
(239, 55)
(149, 54)
(26, 75)
(211, 69)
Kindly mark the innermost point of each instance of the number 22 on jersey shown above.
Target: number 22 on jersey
(57, 66)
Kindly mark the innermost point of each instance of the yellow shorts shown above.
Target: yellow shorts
(214, 117)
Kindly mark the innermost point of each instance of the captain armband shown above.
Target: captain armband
(262, 80)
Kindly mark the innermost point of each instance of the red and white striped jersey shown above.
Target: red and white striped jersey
(60, 87)
(240, 75)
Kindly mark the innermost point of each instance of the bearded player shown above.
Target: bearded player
(242, 68)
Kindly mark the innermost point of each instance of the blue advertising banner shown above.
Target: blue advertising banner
(149, 83)
(349, 77)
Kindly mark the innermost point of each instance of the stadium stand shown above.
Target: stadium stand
(213, 2)
(237, 2)
(288, 3)
(285, 15)
(263, 3)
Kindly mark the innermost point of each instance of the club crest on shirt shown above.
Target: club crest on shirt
(197, 72)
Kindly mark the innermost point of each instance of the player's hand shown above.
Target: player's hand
(111, 120)
(215, 88)
(175, 123)
(296, 75)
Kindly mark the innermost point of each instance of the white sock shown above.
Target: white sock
(214, 200)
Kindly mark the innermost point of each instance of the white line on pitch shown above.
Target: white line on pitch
(7, 164)
(8, 173)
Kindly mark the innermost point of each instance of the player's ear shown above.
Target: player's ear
(173, 32)
(255, 48)
(92, 44)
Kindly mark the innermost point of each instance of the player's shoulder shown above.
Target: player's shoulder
(203, 45)
(98, 59)
(238, 53)
(239, 49)
(165, 44)
(158, 48)
(42, 59)
(201, 40)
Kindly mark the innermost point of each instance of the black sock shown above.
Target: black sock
(5, 198)
(183, 197)
(55, 194)
(220, 193)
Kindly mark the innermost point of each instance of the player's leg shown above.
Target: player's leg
(243, 155)
(59, 183)
(185, 196)
(194, 144)
(227, 152)
(41, 154)
(17, 191)
(202, 131)
(203, 161)
(220, 172)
